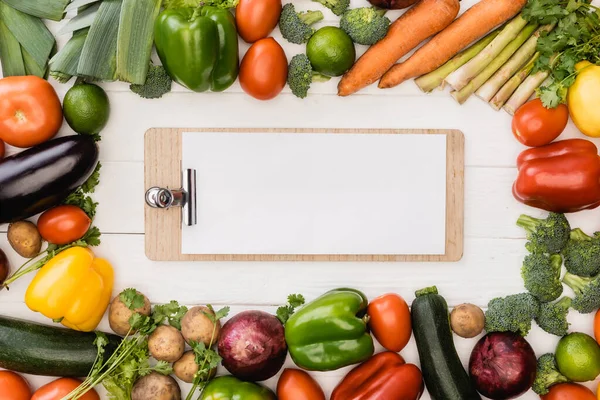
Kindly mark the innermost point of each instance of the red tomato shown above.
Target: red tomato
(389, 320)
(569, 391)
(256, 19)
(2, 149)
(597, 326)
(295, 384)
(30, 111)
(59, 388)
(535, 125)
(263, 72)
(13, 386)
(63, 224)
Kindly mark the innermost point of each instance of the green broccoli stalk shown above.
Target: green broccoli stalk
(553, 317)
(366, 25)
(582, 253)
(547, 374)
(338, 7)
(541, 275)
(158, 82)
(301, 75)
(296, 27)
(587, 292)
(512, 313)
(548, 235)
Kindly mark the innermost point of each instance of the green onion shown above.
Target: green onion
(135, 39)
(83, 19)
(63, 66)
(99, 54)
(46, 9)
(75, 4)
(10, 53)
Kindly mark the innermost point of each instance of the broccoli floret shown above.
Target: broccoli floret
(587, 292)
(158, 82)
(296, 27)
(365, 25)
(553, 317)
(301, 75)
(547, 374)
(338, 7)
(512, 313)
(541, 275)
(582, 253)
(548, 235)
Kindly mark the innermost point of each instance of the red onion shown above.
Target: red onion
(393, 4)
(502, 365)
(252, 345)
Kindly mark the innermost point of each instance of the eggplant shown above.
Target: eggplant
(42, 177)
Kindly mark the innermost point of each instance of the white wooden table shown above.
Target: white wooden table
(494, 245)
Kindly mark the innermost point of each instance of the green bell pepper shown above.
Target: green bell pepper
(198, 47)
(231, 388)
(330, 332)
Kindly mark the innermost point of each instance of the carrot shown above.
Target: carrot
(425, 19)
(475, 23)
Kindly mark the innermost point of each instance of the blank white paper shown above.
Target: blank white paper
(276, 193)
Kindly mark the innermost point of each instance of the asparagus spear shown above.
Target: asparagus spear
(462, 76)
(520, 58)
(462, 95)
(524, 91)
(513, 83)
(434, 79)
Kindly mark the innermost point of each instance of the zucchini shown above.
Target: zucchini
(43, 176)
(37, 349)
(443, 372)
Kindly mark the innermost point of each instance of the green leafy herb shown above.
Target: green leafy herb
(132, 299)
(172, 312)
(285, 312)
(80, 197)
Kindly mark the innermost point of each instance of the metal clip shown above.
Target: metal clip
(185, 197)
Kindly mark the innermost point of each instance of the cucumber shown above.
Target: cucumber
(443, 372)
(37, 349)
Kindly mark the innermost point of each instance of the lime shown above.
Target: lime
(578, 357)
(86, 108)
(331, 51)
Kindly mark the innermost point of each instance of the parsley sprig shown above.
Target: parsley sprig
(81, 198)
(285, 312)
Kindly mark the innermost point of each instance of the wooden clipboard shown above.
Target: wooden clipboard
(163, 227)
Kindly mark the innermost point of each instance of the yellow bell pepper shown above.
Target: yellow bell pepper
(74, 288)
(584, 99)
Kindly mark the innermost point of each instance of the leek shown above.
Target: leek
(83, 19)
(524, 91)
(435, 79)
(46, 9)
(31, 67)
(99, 55)
(135, 39)
(75, 4)
(513, 83)
(462, 76)
(462, 95)
(63, 66)
(10, 53)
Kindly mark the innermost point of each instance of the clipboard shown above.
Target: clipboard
(170, 198)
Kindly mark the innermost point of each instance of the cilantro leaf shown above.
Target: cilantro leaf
(172, 312)
(132, 299)
(89, 186)
(285, 312)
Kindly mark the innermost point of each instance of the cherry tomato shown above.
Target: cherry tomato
(295, 384)
(13, 386)
(263, 72)
(63, 224)
(256, 19)
(59, 388)
(569, 391)
(389, 320)
(2, 149)
(535, 125)
(30, 111)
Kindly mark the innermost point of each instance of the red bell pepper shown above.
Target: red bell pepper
(563, 176)
(385, 376)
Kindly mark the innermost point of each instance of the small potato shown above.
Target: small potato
(197, 327)
(119, 314)
(24, 238)
(186, 368)
(4, 267)
(166, 344)
(467, 320)
(156, 387)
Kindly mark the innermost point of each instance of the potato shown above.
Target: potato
(4, 267)
(166, 344)
(467, 320)
(186, 368)
(119, 314)
(24, 238)
(156, 387)
(197, 327)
